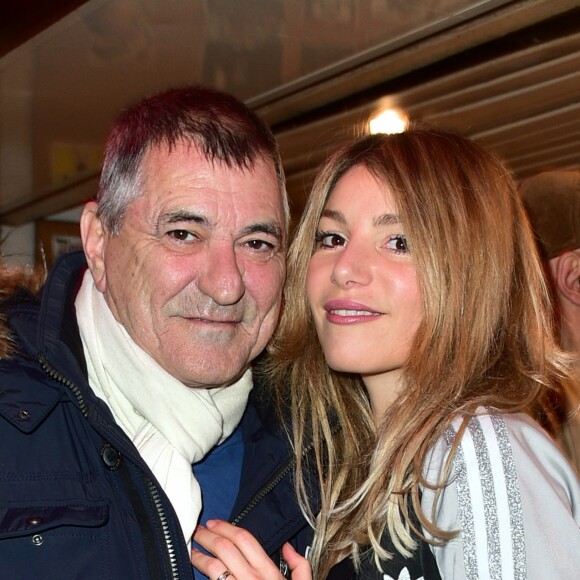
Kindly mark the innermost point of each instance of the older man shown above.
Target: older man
(552, 199)
(132, 371)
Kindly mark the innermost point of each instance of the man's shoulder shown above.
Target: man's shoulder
(27, 394)
(20, 373)
(32, 326)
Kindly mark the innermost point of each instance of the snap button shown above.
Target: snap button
(34, 520)
(23, 414)
(37, 540)
(111, 457)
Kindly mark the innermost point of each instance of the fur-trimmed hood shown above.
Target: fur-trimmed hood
(13, 281)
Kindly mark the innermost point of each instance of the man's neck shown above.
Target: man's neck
(570, 332)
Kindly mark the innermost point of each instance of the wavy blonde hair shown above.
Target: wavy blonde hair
(485, 339)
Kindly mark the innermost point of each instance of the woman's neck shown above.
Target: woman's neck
(383, 390)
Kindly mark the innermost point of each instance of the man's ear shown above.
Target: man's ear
(568, 275)
(93, 235)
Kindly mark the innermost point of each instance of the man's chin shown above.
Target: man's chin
(212, 371)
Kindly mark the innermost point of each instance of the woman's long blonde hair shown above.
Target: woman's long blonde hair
(485, 338)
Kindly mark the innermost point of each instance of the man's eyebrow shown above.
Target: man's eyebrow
(183, 216)
(269, 228)
(178, 216)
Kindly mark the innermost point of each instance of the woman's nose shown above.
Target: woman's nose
(353, 266)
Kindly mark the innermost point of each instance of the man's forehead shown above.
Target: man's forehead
(186, 161)
(182, 184)
(220, 211)
(163, 151)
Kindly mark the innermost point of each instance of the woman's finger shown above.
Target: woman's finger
(236, 550)
(245, 542)
(299, 565)
(225, 551)
(211, 567)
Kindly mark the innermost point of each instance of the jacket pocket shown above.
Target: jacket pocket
(17, 521)
(54, 542)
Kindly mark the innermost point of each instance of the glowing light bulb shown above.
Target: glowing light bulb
(388, 121)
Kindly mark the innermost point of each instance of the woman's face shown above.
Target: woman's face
(361, 283)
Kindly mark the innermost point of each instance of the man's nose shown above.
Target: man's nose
(222, 278)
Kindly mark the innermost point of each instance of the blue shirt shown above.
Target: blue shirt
(218, 474)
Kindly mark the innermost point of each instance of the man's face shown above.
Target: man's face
(196, 272)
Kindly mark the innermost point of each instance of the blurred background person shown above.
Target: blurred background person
(552, 200)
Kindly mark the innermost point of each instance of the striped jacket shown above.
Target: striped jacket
(513, 497)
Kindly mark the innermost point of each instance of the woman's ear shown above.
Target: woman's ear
(94, 235)
(568, 275)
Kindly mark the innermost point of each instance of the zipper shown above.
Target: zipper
(278, 477)
(171, 553)
(257, 498)
(152, 488)
(265, 490)
(57, 376)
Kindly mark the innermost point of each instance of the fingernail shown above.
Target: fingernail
(211, 523)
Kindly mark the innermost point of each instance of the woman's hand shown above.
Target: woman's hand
(236, 551)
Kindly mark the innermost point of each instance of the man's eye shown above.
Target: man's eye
(181, 235)
(399, 244)
(259, 245)
(327, 240)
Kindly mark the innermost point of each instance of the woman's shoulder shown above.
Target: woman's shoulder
(505, 457)
(511, 494)
(491, 436)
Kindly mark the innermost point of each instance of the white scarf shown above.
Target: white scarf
(172, 425)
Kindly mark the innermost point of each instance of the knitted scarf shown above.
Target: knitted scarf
(172, 425)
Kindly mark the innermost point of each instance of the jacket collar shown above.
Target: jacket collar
(48, 331)
(57, 320)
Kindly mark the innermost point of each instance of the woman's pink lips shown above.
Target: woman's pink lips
(349, 312)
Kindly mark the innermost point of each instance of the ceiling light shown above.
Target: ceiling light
(389, 121)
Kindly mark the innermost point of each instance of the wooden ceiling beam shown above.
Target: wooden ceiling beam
(23, 19)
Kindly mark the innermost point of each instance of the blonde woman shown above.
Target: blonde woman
(416, 354)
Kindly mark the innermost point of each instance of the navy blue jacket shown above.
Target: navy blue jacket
(76, 499)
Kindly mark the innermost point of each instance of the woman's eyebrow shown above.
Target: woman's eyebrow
(386, 219)
(333, 214)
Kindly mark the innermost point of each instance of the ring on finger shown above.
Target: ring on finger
(224, 575)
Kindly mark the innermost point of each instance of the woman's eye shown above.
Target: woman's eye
(326, 240)
(399, 244)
